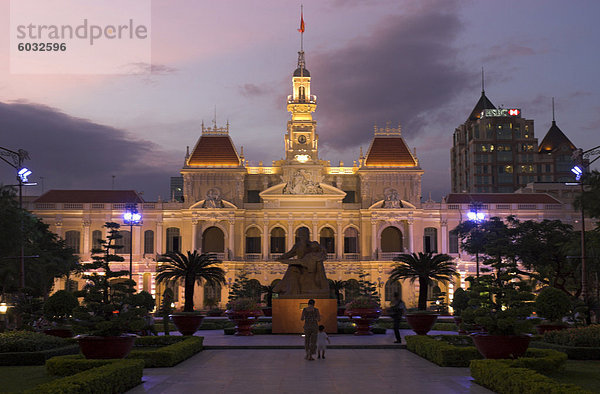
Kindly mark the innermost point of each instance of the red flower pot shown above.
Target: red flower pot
(59, 332)
(501, 346)
(364, 318)
(243, 321)
(421, 323)
(187, 324)
(542, 328)
(94, 347)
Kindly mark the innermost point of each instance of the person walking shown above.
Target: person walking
(397, 309)
(322, 341)
(310, 317)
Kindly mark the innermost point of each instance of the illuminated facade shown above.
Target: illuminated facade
(364, 214)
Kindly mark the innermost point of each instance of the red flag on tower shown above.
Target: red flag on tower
(301, 29)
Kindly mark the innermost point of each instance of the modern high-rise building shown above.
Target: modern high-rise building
(495, 151)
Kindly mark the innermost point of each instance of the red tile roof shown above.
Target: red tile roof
(214, 151)
(501, 198)
(389, 151)
(90, 196)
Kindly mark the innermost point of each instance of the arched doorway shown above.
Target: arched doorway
(277, 240)
(391, 287)
(327, 239)
(213, 240)
(391, 240)
(253, 240)
(430, 240)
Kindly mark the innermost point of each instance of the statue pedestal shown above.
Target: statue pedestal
(287, 313)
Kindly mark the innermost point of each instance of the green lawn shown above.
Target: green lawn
(21, 378)
(580, 372)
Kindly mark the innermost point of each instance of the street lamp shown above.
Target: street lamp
(582, 163)
(476, 217)
(133, 218)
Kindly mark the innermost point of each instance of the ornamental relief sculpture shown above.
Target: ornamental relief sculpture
(301, 183)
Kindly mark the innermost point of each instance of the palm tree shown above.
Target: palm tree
(193, 268)
(425, 267)
(337, 286)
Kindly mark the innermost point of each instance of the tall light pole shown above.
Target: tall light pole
(22, 174)
(582, 163)
(476, 217)
(133, 218)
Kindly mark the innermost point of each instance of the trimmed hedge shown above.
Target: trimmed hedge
(36, 358)
(171, 355)
(588, 336)
(180, 349)
(507, 377)
(573, 352)
(439, 326)
(115, 376)
(439, 351)
(29, 341)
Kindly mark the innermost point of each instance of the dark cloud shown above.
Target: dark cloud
(74, 153)
(402, 72)
(252, 90)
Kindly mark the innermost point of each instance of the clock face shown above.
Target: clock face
(302, 139)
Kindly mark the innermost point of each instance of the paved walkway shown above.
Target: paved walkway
(284, 370)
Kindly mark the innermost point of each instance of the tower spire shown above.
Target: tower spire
(301, 62)
(553, 120)
(482, 82)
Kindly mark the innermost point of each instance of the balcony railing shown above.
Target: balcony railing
(388, 256)
(253, 256)
(351, 256)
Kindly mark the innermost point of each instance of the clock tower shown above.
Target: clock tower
(301, 139)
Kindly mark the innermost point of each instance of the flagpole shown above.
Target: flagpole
(302, 32)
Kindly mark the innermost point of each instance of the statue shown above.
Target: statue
(392, 199)
(305, 276)
(300, 183)
(213, 199)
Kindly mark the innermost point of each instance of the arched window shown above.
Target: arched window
(351, 240)
(124, 242)
(430, 240)
(72, 239)
(212, 294)
(351, 290)
(277, 240)
(147, 282)
(453, 242)
(173, 240)
(213, 240)
(255, 289)
(327, 239)
(301, 93)
(391, 240)
(96, 238)
(253, 240)
(300, 228)
(392, 287)
(149, 241)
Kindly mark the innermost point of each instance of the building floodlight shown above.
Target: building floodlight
(578, 171)
(23, 174)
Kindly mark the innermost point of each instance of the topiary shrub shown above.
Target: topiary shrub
(59, 306)
(552, 304)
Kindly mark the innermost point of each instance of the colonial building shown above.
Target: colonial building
(364, 214)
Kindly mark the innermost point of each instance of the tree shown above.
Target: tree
(426, 267)
(191, 268)
(243, 287)
(268, 291)
(590, 198)
(337, 286)
(166, 309)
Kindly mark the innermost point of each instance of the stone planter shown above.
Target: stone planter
(364, 318)
(542, 328)
(187, 324)
(243, 321)
(93, 347)
(501, 346)
(59, 332)
(421, 323)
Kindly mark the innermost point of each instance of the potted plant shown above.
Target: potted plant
(425, 267)
(191, 269)
(501, 304)
(110, 308)
(459, 303)
(552, 304)
(243, 312)
(363, 311)
(336, 287)
(57, 309)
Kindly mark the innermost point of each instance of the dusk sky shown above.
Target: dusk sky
(417, 63)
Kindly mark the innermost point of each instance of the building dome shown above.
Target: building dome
(298, 73)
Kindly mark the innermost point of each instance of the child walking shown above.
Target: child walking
(321, 344)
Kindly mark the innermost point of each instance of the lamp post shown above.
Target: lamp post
(582, 162)
(133, 218)
(22, 174)
(476, 217)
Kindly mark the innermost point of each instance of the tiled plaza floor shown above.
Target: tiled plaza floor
(220, 370)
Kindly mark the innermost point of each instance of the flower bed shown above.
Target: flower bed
(101, 376)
